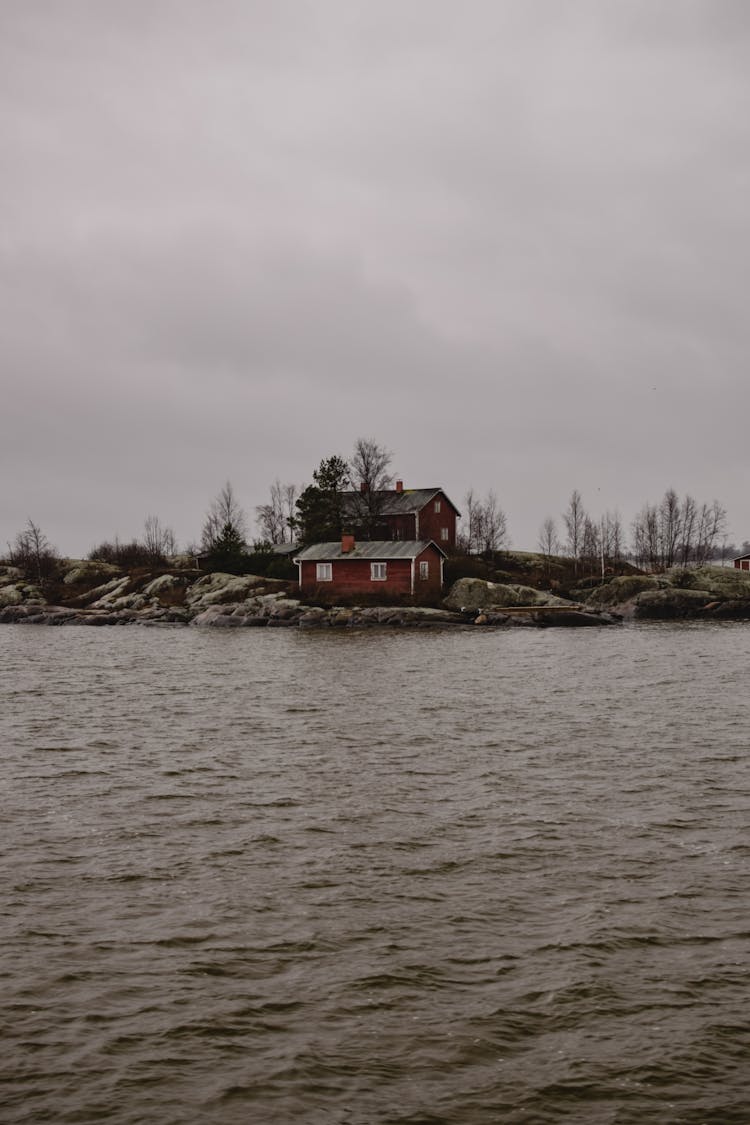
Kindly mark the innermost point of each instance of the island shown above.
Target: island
(524, 591)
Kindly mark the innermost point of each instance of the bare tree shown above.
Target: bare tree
(485, 524)
(291, 492)
(370, 478)
(224, 513)
(712, 520)
(677, 531)
(159, 541)
(271, 516)
(549, 543)
(590, 543)
(492, 524)
(688, 529)
(645, 533)
(467, 533)
(574, 518)
(670, 527)
(33, 553)
(614, 542)
(276, 519)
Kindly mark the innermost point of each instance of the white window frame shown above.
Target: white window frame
(323, 572)
(437, 505)
(424, 569)
(378, 571)
(444, 534)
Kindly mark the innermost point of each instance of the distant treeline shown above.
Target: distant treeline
(672, 531)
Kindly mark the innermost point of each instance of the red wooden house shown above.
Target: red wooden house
(409, 513)
(742, 562)
(379, 568)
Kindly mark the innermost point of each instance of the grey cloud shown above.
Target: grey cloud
(508, 239)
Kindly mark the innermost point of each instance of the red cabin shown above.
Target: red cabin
(378, 568)
(742, 562)
(408, 513)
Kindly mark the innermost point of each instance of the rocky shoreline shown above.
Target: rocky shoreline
(97, 594)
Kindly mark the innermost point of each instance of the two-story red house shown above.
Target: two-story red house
(377, 568)
(409, 513)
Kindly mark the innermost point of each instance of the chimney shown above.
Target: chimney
(399, 486)
(347, 542)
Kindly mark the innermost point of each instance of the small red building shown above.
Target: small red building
(379, 568)
(742, 562)
(409, 513)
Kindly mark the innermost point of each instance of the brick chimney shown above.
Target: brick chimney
(347, 542)
(399, 486)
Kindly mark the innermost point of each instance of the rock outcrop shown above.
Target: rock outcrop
(477, 593)
(223, 589)
(15, 589)
(681, 592)
(10, 595)
(89, 570)
(101, 594)
(277, 610)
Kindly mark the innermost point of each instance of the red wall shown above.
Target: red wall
(400, 527)
(428, 587)
(432, 522)
(352, 576)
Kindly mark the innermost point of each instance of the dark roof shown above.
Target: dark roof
(375, 549)
(739, 558)
(401, 503)
(284, 548)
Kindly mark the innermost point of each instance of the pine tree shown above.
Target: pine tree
(228, 553)
(320, 514)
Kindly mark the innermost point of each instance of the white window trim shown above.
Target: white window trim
(444, 534)
(323, 572)
(424, 569)
(378, 571)
(437, 505)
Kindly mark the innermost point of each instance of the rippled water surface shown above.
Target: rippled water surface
(429, 877)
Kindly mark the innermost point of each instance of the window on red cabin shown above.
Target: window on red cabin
(324, 572)
(444, 534)
(437, 505)
(378, 572)
(424, 570)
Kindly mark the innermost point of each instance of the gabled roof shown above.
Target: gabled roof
(375, 549)
(740, 558)
(401, 503)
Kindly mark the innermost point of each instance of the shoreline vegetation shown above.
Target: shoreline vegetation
(588, 578)
(524, 590)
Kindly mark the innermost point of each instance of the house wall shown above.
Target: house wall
(399, 527)
(431, 522)
(428, 587)
(352, 576)
(742, 564)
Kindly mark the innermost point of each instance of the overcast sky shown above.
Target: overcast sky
(507, 239)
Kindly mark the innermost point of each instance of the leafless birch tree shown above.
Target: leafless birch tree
(275, 519)
(32, 552)
(368, 470)
(574, 518)
(224, 513)
(158, 541)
